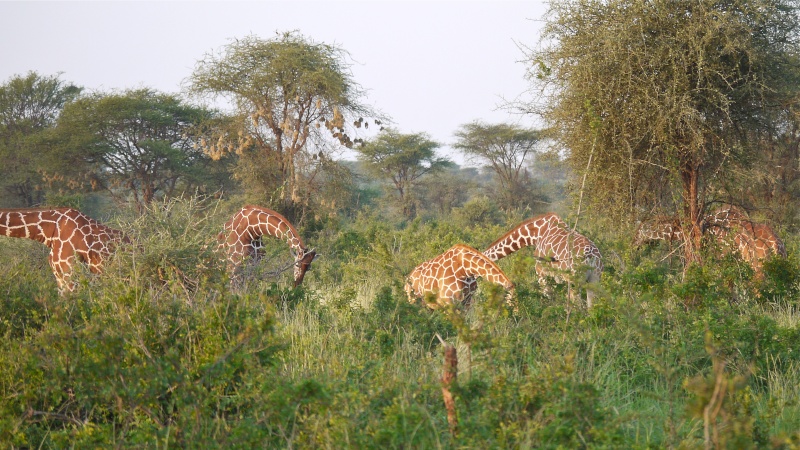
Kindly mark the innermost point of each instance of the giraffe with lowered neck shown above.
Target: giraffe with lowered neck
(556, 248)
(755, 241)
(448, 276)
(241, 238)
(71, 236)
(729, 227)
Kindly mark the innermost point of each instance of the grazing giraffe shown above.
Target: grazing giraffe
(661, 228)
(70, 235)
(669, 229)
(242, 235)
(556, 245)
(755, 241)
(448, 275)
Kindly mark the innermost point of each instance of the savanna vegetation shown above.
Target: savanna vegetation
(652, 109)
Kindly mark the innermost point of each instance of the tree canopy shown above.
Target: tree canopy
(402, 159)
(29, 107)
(657, 102)
(506, 148)
(138, 143)
(294, 98)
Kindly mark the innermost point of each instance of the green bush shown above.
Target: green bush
(159, 351)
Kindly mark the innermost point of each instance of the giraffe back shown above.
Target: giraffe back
(553, 242)
(755, 241)
(661, 228)
(70, 235)
(447, 275)
(241, 239)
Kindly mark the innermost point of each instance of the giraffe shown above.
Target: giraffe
(242, 235)
(556, 245)
(730, 226)
(448, 275)
(669, 229)
(661, 228)
(755, 241)
(70, 235)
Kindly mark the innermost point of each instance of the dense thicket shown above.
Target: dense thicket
(159, 352)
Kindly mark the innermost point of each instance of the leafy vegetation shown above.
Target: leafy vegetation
(684, 346)
(665, 105)
(159, 352)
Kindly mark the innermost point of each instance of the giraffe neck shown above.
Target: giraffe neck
(242, 235)
(476, 264)
(266, 223)
(283, 230)
(528, 233)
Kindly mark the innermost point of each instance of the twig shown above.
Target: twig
(449, 374)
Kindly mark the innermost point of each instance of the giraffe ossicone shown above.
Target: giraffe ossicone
(558, 250)
(241, 239)
(71, 236)
(448, 276)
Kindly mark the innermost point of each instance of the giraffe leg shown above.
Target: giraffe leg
(62, 275)
(592, 278)
(470, 286)
(541, 272)
(511, 301)
(409, 292)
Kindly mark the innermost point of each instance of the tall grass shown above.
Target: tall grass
(160, 352)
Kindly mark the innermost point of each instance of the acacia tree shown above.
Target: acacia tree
(505, 148)
(655, 101)
(29, 107)
(402, 159)
(294, 99)
(771, 187)
(139, 143)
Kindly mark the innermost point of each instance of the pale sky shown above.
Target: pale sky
(429, 65)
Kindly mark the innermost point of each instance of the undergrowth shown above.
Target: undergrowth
(160, 352)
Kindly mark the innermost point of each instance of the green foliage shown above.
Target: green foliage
(781, 278)
(402, 159)
(158, 351)
(29, 108)
(138, 144)
(477, 211)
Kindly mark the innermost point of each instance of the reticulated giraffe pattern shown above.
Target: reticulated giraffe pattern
(755, 241)
(241, 240)
(448, 276)
(730, 228)
(71, 236)
(661, 228)
(557, 248)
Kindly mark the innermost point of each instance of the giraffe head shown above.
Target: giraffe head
(302, 262)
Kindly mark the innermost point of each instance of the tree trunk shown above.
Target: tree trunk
(690, 175)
